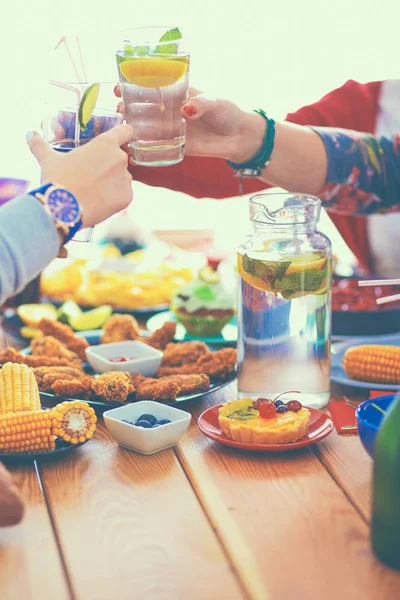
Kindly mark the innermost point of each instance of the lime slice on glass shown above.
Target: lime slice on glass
(87, 104)
(68, 311)
(91, 319)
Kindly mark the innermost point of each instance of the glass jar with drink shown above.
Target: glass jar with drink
(284, 303)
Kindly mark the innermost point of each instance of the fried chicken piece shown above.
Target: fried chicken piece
(66, 335)
(12, 355)
(161, 337)
(80, 389)
(180, 354)
(114, 386)
(46, 376)
(119, 328)
(156, 389)
(189, 384)
(50, 346)
(137, 379)
(216, 365)
(168, 388)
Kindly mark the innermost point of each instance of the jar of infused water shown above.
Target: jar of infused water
(284, 304)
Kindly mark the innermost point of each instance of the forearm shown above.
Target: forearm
(28, 242)
(298, 162)
(350, 171)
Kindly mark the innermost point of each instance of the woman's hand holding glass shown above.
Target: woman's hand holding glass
(96, 173)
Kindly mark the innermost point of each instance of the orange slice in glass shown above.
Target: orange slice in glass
(153, 72)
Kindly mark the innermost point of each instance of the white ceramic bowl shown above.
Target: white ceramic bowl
(146, 359)
(146, 441)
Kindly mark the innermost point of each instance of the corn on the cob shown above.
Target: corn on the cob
(28, 431)
(375, 363)
(74, 422)
(18, 389)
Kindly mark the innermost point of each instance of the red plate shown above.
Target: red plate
(320, 426)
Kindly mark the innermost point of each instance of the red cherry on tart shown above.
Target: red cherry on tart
(267, 409)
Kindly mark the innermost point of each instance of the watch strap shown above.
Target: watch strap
(67, 232)
(40, 190)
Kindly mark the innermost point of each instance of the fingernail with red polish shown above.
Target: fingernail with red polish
(190, 110)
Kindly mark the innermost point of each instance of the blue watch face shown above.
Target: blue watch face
(63, 206)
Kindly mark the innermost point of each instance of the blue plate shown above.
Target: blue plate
(228, 334)
(338, 374)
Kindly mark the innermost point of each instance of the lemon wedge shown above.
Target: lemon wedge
(87, 104)
(30, 332)
(31, 314)
(208, 275)
(91, 319)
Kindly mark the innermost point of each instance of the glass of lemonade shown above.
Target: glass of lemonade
(153, 66)
(284, 304)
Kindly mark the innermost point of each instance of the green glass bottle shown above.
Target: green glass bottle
(385, 528)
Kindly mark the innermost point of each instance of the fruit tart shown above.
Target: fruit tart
(264, 421)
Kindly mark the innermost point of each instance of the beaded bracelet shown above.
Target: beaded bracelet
(254, 167)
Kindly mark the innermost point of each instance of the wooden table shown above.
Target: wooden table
(198, 522)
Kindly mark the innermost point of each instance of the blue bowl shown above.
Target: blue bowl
(369, 420)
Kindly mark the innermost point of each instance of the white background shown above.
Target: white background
(275, 54)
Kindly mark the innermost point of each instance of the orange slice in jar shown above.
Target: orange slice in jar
(255, 282)
(154, 72)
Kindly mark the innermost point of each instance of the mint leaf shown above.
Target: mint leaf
(204, 293)
(267, 271)
(169, 36)
(302, 281)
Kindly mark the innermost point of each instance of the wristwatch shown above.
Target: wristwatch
(62, 206)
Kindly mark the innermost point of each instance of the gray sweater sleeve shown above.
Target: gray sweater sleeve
(28, 242)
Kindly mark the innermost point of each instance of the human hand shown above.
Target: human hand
(217, 128)
(220, 128)
(96, 173)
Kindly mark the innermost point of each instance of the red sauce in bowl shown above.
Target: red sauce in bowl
(120, 359)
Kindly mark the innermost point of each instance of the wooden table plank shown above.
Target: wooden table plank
(30, 563)
(306, 539)
(347, 461)
(130, 526)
